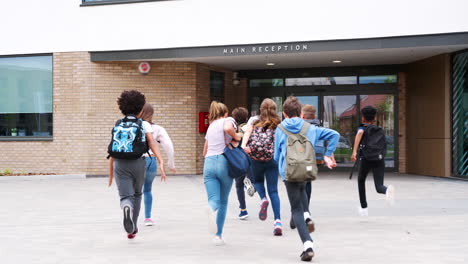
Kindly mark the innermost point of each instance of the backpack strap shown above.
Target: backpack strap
(284, 130)
(304, 129)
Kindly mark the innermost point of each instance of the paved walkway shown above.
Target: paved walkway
(79, 221)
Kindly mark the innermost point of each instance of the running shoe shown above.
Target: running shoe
(128, 224)
(390, 195)
(263, 210)
(363, 211)
(218, 241)
(307, 255)
(243, 215)
(249, 187)
(132, 235)
(149, 222)
(278, 231)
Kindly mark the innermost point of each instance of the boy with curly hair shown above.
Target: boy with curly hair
(130, 173)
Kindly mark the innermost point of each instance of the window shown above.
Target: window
(460, 113)
(378, 79)
(26, 96)
(217, 86)
(257, 83)
(321, 81)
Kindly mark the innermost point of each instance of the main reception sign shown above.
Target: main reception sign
(266, 49)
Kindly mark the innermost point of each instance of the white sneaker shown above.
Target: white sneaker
(149, 222)
(212, 227)
(249, 187)
(390, 195)
(218, 241)
(363, 211)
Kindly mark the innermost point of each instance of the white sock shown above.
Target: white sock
(306, 216)
(308, 244)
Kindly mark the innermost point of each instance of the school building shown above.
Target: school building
(64, 63)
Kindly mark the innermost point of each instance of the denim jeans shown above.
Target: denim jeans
(150, 174)
(218, 186)
(299, 204)
(240, 188)
(240, 192)
(267, 171)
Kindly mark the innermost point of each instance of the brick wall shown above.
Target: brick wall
(85, 111)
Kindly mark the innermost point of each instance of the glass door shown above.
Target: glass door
(340, 114)
(311, 100)
(384, 103)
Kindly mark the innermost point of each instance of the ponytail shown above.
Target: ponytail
(217, 110)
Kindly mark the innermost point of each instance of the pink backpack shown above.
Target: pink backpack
(262, 144)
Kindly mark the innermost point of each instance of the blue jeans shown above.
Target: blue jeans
(150, 174)
(240, 188)
(267, 171)
(218, 185)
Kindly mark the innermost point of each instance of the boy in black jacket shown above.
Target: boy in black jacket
(377, 166)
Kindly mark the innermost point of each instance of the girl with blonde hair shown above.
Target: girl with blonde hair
(217, 181)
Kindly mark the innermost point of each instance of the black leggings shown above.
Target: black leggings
(378, 168)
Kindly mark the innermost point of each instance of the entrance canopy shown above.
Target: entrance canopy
(353, 52)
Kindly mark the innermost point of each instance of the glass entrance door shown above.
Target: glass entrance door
(385, 118)
(340, 114)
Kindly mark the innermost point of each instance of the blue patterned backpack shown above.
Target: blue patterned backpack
(128, 140)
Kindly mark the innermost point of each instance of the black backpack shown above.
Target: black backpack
(128, 140)
(373, 146)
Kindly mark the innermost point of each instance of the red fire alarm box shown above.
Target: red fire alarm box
(203, 122)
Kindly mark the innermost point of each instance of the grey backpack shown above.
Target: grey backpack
(301, 165)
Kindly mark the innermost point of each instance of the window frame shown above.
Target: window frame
(116, 2)
(34, 138)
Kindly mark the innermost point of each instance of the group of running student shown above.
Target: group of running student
(264, 138)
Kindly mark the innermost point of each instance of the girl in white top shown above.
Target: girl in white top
(217, 181)
(160, 135)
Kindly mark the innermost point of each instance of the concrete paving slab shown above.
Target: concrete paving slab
(79, 221)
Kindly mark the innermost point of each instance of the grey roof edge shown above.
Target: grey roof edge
(408, 41)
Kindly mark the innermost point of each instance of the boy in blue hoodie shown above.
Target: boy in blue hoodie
(296, 190)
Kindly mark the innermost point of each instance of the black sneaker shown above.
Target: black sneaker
(307, 255)
(128, 224)
(310, 225)
(292, 224)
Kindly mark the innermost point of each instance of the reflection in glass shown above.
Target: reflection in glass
(344, 80)
(378, 79)
(256, 102)
(310, 81)
(257, 83)
(385, 118)
(26, 96)
(340, 114)
(310, 100)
